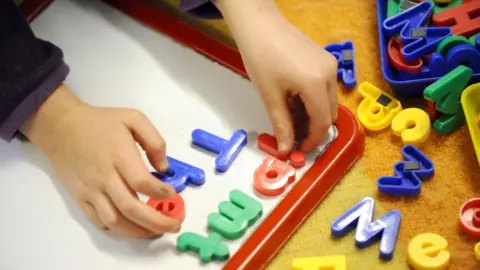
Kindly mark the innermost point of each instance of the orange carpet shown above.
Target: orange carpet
(436, 210)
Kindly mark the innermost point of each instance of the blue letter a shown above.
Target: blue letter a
(367, 232)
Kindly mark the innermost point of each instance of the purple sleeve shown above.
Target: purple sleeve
(30, 104)
(30, 70)
(201, 8)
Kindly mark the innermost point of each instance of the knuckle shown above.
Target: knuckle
(319, 75)
(81, 196)
(280, 127)
(136, 114)
(128, 209)
(141, 185)
(112, 221)
(333, 62)
(332, 70)
(158, 146)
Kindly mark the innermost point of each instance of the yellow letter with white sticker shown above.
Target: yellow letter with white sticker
(412, 125)
(428, 251)
(377, 109)
(320, 263)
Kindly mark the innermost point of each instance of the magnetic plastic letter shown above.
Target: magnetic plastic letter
(407, 182)
(174, 207)
(451, 42)
(449, 123)
(412, 125)
(426, 44)
(227, 150)
(268, 144)
(460, 18)
(447, 91)
(337, 262)
(431, 110)
(437, 65)
(463, 54)
(428, 251)
(361, 214)
(446, 94)
(235, 215)
(470, 217)
(345, 55)
(181, 174)
(476, 250)
(208, 248)
(407, 20)
(396, 6)
(377, 109)
(442, 5)
(273, 176)
(475, 41)
(395, 55)
(412, 21)
(297, 159)
(470, 100)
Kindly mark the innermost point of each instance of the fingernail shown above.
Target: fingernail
(176, 229)
(167, 193)
(164, 165)
(283, 147)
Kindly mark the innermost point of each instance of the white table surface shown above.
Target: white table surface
(116, 61)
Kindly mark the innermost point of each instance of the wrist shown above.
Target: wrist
(240, 16)
(45, 119)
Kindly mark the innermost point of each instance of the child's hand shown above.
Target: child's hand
(282, 62)
(95, 154)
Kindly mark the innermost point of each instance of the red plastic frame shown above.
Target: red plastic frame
(263, 245)
(182, 32)
(32, 8)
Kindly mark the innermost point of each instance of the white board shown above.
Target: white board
(116, 61)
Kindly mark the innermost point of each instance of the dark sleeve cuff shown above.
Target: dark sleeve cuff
(201, 8)
(32, 102)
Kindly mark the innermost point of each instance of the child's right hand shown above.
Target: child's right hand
(95, 154)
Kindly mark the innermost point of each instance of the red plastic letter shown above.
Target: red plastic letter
(273, 176)
(297, 159)
(431, 110)
(268, 144)
(174, 207)
(397, 60)
(463, 19)
(470, 217)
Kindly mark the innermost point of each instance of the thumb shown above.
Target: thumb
(281, 120)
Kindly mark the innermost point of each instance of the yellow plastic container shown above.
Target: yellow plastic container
(471, 107)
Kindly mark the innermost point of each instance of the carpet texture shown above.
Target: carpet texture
(435, 210)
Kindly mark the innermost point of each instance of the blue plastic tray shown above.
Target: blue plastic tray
(404, 88)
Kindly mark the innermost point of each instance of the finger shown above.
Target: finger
(139, 212)
(148, 137)
(281, 119)
(133, 170)
(116, 222)
(300, 118)
(92, 215)
(333, 97)
(319, 113)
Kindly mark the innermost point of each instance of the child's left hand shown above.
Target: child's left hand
(282, 62)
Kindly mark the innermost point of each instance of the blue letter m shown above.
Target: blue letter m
(360, 215)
